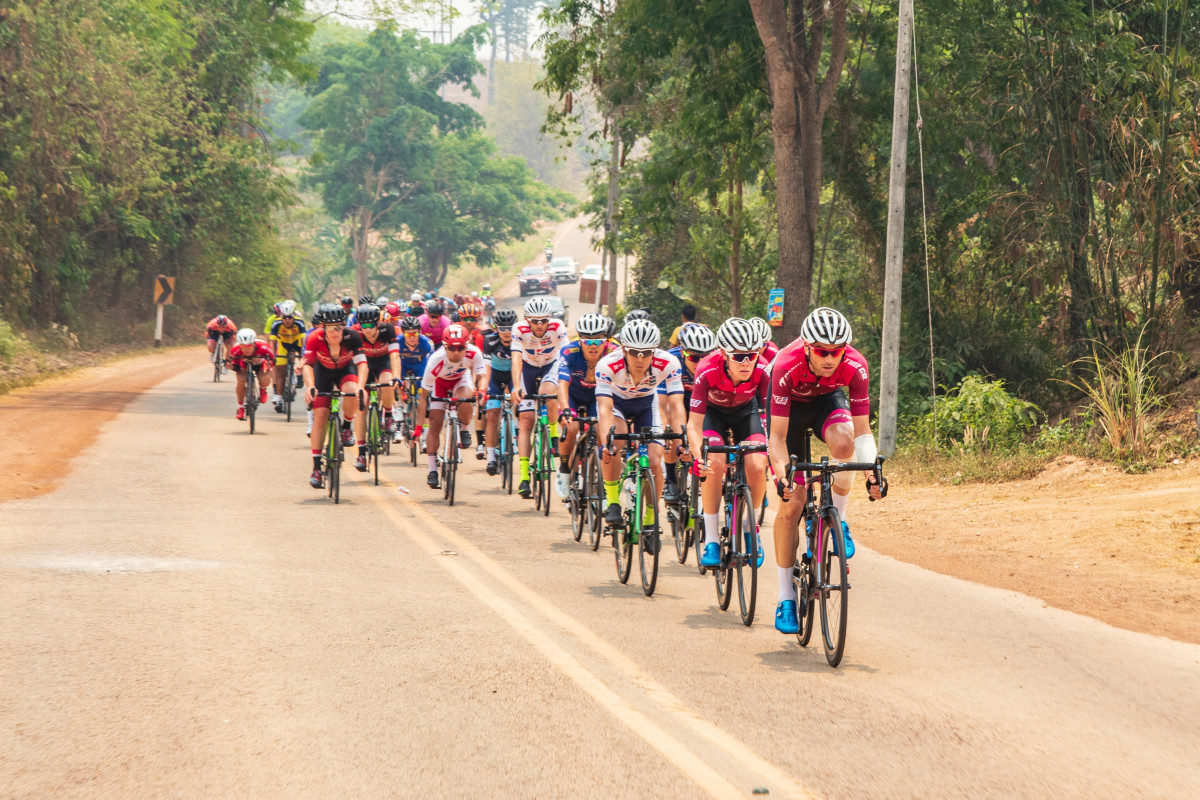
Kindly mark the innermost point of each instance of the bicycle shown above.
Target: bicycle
(739, 536)
(817, 579)
(638, 484)
(506, 445)
(290, 385)
(251, 398)
(682, 514)
(448, 462)
(334, 452)
(541, 461)
(410, 388)
(218, 360)
(377, 439)
(587, 485)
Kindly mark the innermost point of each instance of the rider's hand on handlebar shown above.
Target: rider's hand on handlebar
(784, 489)
(874, 490)
(310, 394)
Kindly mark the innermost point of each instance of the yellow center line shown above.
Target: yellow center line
(687, 761)
(653, 689)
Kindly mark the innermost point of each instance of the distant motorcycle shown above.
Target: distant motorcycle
(549, 254)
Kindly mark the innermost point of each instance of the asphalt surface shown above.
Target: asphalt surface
(185, 617)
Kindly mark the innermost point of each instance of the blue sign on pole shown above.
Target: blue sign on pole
(775, 308)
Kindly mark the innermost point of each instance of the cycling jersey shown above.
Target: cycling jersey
(715, 387)
(688, 378)
(288, 333)
(238, 357)
(497, 352)
(538, 351)
(434, 330)
(270, 323)
(613, 378)
(413, 360)
(317, 350)
(573, 368)
(792, 380)
(440, 372)
(227, 330)
(384, 343)
(770, 351)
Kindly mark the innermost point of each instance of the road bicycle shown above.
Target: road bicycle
(218, 360)
(824, 580)
(506, 446)
(450, 458)
(639, 488)
(541, 457)
(291, 385)
(334, 453)
(587, 485)
(378, 441)
(683, 514)
(251, 397)
(407, 404)
(739, 540)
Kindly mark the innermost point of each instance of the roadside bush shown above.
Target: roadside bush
(977, 415)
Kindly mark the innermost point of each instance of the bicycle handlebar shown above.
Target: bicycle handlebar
(827, 467)
(537, 397)
(452, 399)
(757, 447)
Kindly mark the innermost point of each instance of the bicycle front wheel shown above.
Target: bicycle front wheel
(335, 460)
(723, 575)
(649, 541)
(545, 467)
(577, 499)
(834, 586)
(251, 397)
(374, 445)
(745, 541)
(595, 499)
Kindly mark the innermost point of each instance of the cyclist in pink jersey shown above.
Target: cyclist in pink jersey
(769, 348)
(434, 322)
(730, 389)
(807, 383)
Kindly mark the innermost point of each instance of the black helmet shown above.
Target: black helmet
(637, 313)
(434, 308)
(454, 316)
(410, 324)
(612, 328)
(222, 319)
(367, 313)
(365, 299)
(504, 318)
(347, 301)
(331, 313)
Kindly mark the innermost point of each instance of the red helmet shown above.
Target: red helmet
(455, 336)
(470, 309)
(394, 310)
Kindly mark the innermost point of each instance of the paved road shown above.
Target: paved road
(185, 617)
(573, 238)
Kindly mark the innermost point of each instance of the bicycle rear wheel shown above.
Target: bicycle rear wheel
(834, 587)
(577, 499)
(595, 500)
(649, 540)
(251, 396)
(680, 518)
(745, 543)
(723, 575)
(623, 548)
(802, 579)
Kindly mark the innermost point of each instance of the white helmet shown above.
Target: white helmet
(826, 326)
(591, 325)
(697, 338)
(287, 308)
(381, 301)
(474, 294)
(762, 329)
(640, 334)
(246, 336)
(416, 297)
(537, 307)
(737, 335)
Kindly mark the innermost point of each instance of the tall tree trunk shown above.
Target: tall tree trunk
(360, 243)
(735, 249)
(491, 99)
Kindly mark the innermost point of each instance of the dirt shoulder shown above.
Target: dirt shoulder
(1084, 537)
(43, 426)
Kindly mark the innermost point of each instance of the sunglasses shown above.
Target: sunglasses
(461, 318)
(412, 333)
(335, 327)
(366, 326)
(821, 352)
(458, 349)
(592, 342)
(743, 358)
(538, 321)
(639, 353)
(690, 356)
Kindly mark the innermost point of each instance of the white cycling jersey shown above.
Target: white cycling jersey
(538, 351)
(440, 369)
(613, 378)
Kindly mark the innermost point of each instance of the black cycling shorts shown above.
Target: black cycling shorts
(742, 422)
(815, 414)
(326, 379)
(378, 366)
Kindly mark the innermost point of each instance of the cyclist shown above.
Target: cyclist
(695, 342)
(415, 351)
(287, 336)
(627, 382)
(352, 314)
(549, 250)
(687, 316)
(380, 346)
(333, 359)
(416, 305)
(731, 389)
(576, 372)
(486, 291)
(457, 369)
(806, 392)
(250, 352)
(469, 314)
(348, 304)
(434, 322)
(272, 317)
(769, 349)
(391, 313)
(535, 346)
(219, 327)
(497, 349)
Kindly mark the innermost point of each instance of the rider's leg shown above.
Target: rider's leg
(240, 389)
(433, 436)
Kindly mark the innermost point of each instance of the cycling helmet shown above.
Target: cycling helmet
(475, 294)
(287, 308)
(455, 336)
(275, 309)
(454, 317)
(612, 327)
(410, 324)
(365, 299)
(826, 326)
(637, 313)
(640, 334)
(697, 338)
(394, 310)
(429, 295)
(589, 326)
(504, 318)
(416, 297)
(381, 301)
(434, 308)
(246, 336)
(537, 307)
(470, 309)
(222, 319)
(347, 301)
(736, 335)
(487, 287)
(762, 329)
(332, 314)
(367, 313)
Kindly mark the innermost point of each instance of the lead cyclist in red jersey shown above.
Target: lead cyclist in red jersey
(807, 383)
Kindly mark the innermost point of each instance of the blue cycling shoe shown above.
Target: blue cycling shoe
(849, 541)
(711, 556)
(786, 620)
(759, 554)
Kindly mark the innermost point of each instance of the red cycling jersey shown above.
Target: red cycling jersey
(386, 342)
(791, 379)
(714, 385)
(228, 327)
(770, 351)
(316, 349)
(238, 356)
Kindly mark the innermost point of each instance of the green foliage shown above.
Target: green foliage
(978, 414)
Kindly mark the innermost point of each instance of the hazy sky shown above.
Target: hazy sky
(365, 12)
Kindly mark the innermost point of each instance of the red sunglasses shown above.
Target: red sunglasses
(821, 352)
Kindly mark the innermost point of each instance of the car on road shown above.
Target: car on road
(593, 271)
(558, 309)
(534, 280)
(565, 269)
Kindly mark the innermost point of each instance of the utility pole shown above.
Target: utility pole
(894, 261)
(610, 223)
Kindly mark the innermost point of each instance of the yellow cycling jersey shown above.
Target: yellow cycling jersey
(289, 334)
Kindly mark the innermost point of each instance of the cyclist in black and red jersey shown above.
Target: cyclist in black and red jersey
(807, 383)
(333, 359)
(381, 346)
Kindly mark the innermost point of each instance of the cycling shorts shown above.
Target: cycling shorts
(281, 352)
(500, 383)
(377, 366)
(226, 335)
(640, 413)
(451, 388)
(532, 379)
(744, 423)
(817, 414)
(326, 380)
(582, 406)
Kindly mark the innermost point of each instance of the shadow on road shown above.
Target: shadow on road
(790, 657)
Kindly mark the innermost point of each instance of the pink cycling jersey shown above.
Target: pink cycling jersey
(791, 379)
(434, 331)
(714, 385)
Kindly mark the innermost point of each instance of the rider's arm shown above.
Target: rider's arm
(777, 445)
(604, 417)
(518, 384)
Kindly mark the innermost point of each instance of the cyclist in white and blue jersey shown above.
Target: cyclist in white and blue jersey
(695, 342)
(576, 370)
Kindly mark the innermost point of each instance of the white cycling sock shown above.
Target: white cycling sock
(432, 463)
(787, 589)
(711, 528)
(839, 502)
(310, 418)
(491, 454)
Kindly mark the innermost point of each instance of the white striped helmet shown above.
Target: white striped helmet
(589, 326)
(737, 335)
(762, 329)
(697, 338)
(537, 307)
(246, 336)
(640, 334)
(826, 326)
